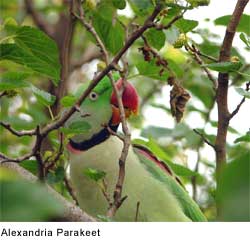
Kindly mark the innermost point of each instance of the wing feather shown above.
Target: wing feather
(162, 172)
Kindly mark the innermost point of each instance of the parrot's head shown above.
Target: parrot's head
(100, 109)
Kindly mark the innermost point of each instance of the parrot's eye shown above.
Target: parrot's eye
(93, 96)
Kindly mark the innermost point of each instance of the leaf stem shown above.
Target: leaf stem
(51, 113)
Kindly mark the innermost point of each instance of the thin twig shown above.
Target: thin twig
(37, 18)
(113, 206)
(118, 199)
(204, 138)
(70, 190)
(195, 52)
(137, 211)
(167, 26)
(18, 133)
(3, 94)
(57, 157)
(104, 189)
(240, 104)
(114, 133)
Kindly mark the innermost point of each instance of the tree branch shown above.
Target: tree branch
(222, 91)
(203, 138)
(37, 18)
(71, 211)
(113, 206)
(240, 104)
(18, 133)
(196, 54)
(56, 124)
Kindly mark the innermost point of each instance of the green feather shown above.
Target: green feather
(190, 208)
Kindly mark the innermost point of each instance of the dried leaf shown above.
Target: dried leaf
(178, 99)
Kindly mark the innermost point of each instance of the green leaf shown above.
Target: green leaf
(26, 201)
(233, 193)
(30, 165)
(104, 218)
(94, 174)
(10, 26)
(155, 38)
(33, 49)
(242, 27)
(56, 176)
(196, 3)
(186, 25)
(149, 69)
(230, 129)
(119, 4)
(141, 7)
(43, 97)
(245, 138)
(112, 35)
(245, 39)
(77, 127)
(243, 92)
(200, 85)
(181, 170)
(13, 80)
(68, 101)
(224, 67)
(156, 132)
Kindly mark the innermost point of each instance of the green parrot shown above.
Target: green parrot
(148, 180)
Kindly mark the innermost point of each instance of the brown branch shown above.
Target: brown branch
(196, 54)
(204, 138)
(113, 206)
(194, 178)
(18, 133)
(171, 22)
(52, 163)
(114, 133)
(118, 200)
(3, 94)
(112, 65)
(65, 57)
(70, 190)
(222, 91)
(71, 211)
(200, 144)
(137, 211)
(37, 18)
(104, 189)
(239, 76)
(91, 29)
(134, 36)
(35, 152)
(240, 104)
(197, 51)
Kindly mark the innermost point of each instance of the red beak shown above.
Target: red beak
(130, 100)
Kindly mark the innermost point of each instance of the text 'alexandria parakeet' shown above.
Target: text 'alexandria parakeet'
(148, 180)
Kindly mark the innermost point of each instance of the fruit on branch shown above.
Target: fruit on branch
(181, 41)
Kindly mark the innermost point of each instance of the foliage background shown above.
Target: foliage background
(177, 144)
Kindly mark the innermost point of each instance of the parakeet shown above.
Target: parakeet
(148, 180)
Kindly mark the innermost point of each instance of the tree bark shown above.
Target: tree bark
(71, 211)
(222, 91)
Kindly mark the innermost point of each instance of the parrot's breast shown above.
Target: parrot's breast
(157, 203)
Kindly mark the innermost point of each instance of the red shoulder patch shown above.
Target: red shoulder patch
(162, 165)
